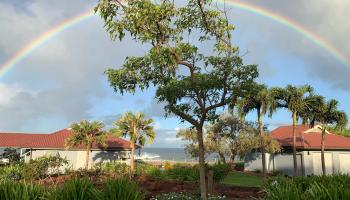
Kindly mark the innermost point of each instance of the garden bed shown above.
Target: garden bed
(158, 186)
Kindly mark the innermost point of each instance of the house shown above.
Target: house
(308, 145)
(32, 146)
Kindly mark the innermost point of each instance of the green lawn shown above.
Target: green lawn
(243, 179)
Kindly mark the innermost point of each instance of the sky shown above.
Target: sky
(63, 81)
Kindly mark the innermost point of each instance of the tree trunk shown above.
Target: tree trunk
(294, 145)
(322, 151)
(132, 161)
(87, 158)
(222, 157)
(203, 186)
(262, 144)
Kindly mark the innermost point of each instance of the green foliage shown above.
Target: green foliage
(119, 168)
(335, 187)
(121, 188)
(185, 172)
(11, 154)
(87, 133)
(75, 189)
(43, 167)
(12, 190)
(12, 172)
(136, 127)
(185, 196)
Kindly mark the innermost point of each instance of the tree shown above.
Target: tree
(229, 127)
(261, 100)
(213, 143)
(193, 74)
(250, 141)
(327, 114)
(137, 128)
(11, 154)
(87, 133)
(295, 99)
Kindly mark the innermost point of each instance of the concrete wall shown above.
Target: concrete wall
(309, 162)
(77, 158)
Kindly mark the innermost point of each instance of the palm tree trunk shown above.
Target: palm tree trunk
(132, 160)
(203, 186)
(87, 158)
(262, 145)
(322, 151)
(294, 145)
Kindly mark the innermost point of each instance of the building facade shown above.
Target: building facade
(337, 152)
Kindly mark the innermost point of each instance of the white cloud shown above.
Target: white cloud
(7, 92)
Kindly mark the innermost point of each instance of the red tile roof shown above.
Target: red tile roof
(52, 141)
(309, 138)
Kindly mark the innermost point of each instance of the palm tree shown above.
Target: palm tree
(295, 99)
(326, 114)
(86, 133)
(261, 100)
(137, 128)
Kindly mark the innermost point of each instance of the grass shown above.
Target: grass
(243, 179)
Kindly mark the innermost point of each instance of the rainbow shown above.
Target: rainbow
(42, 39)
(47, 36)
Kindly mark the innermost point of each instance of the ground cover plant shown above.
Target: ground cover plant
(334, 187)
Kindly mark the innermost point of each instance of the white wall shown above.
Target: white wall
(77, 158)
(309, 162)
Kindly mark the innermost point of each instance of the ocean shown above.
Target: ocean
(171, 154)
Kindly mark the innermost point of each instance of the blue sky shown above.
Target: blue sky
(63, 81)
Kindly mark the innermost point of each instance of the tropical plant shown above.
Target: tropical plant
(137, 128)
(14, 190)
(121, 188)
(295, 99)
(75, 189)
(261, 100)
(192, 82)
(87, 133)
(327, 114)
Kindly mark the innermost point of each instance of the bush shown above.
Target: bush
(11, 172)
(116, 167)
(312, 187)
(185, 172)
(184, 196)
(221, 170)
(121, 189)
(43, 166)
(11, 190)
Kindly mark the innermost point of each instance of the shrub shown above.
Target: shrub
(11, 172)
(221, 170)
(148, 169)
(185, 196)
(121, 188)
(116, 167)
(75, 189)
(10, 190)
(43, 166)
